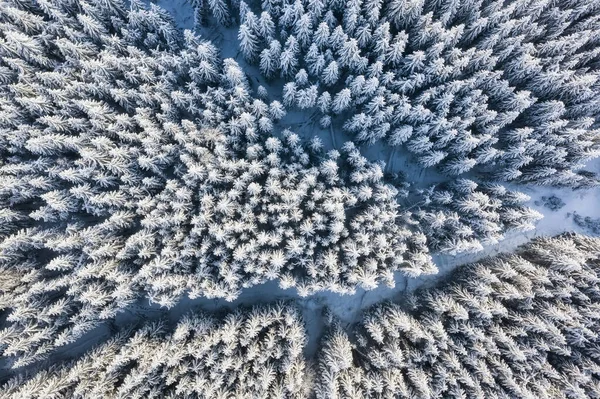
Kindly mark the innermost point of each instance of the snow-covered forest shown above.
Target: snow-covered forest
(518, 326)
(522, 325)
(214, 198)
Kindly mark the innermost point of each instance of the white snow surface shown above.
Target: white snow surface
(347, 308)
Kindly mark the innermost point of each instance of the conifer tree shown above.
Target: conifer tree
(248, 42)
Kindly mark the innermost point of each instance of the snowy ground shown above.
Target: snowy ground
(348, 307)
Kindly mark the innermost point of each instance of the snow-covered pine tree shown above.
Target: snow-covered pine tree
(221, 10)
(336, 374)
(248, 43)
(270, 59)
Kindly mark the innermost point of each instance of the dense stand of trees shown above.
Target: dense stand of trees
(254, 353)
(137, 163)
(134, 162)
(509, 88)
(521, 325)
(462, 216)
